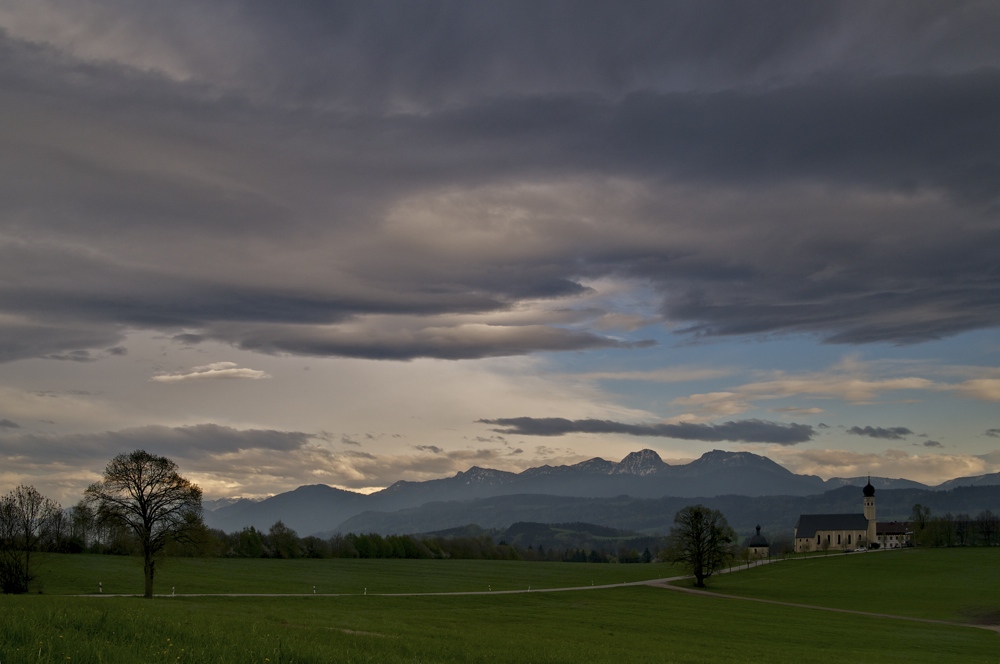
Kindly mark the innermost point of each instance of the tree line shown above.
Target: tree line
(82, 531)
(954, 529)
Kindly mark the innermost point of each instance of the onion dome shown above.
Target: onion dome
(758, 539)
(869, 490)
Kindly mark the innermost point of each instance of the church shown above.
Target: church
(821, 532)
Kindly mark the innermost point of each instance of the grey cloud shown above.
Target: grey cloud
(891, 433)
(347, 440)
(932, 443)
(53, 393)
(872, 126)
(224, 460)
(188, 339)
(433, 449)
(426, 53)
(443, 343)
(747, 431)
(9, 424)
(72, 356)
(993, 433)
(120, 351)
(50, 339)
(190, 442)
(361, 455)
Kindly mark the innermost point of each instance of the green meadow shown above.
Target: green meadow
(957, 584)
(627, 624)
(80, 574)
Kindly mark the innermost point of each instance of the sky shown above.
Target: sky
(352, 243)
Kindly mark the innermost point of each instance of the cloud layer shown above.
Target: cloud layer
(198, 199)
(745, 431)
(260, 192)
(214, 371)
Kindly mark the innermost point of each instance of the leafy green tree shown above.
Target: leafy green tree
(249, 544)
(25, 517)
(963, 529)
(144, 493)
(988, 525)
(284, 541)
(920, 516)
(82, 519)
(700, 539)
(314, 547)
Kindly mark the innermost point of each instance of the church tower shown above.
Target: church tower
(869, 503)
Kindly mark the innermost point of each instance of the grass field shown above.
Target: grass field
(629, 624)
(946, 584)
(80, 574)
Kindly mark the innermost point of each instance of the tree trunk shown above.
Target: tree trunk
(148, 569)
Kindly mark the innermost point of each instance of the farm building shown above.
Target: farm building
(894, 534)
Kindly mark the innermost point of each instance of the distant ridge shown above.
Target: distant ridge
(641, 474)
(776, 514)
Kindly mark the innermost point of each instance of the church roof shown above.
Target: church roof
(809, 524)
(892, 527)
(758, 539)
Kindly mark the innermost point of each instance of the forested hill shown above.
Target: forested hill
(775, 514)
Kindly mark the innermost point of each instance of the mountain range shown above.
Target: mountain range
(641, 475)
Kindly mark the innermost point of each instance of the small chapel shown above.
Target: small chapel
(821, 532)
(757, 546)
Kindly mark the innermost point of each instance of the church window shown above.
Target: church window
(848, 538)
(838, 539)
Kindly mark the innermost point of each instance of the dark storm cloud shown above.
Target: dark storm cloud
(72, 356)
(436, 52)
(182, 442)
(458, 343)
(19, 340)
(188, 339)
(891, 433)
(746, 431)
(826, 169)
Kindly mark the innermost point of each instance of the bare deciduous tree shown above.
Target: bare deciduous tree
(145, 493)
(25, 516)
